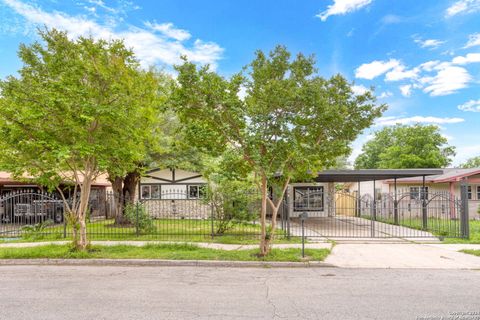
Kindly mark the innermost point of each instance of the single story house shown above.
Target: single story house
(447, 182)
(98, 194)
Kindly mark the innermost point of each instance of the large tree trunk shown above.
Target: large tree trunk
(118, 200)
(130, 185)
(81, 213)
(268, 238)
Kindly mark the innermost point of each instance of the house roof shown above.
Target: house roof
(372, 174)
(447, 175)
(7, 179)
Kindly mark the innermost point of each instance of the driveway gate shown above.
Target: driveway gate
(389, 215)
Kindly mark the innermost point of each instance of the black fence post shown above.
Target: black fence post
(464, 219)
(395, 204)
(212, 219)
(136, 223)
(423, 195)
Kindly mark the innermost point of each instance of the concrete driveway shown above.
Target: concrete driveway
(339, 227)
(402, 255)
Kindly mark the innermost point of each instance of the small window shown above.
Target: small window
(196, 191)
(478, 192)
(418, 193)
(155, 191)
(146, 192)
(469, 192)
(308, 199)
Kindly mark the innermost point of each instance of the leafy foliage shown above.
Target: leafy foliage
(233, 199)
(291, 122)
(138, 215)
(401, 146)
(76, 109)
(472, 163)
(35, 231)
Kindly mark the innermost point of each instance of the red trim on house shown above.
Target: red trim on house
(455, 178)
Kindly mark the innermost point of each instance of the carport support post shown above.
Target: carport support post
(423, 194)
(395, 202)
(464, 220)
(359, 202)
(374, 211)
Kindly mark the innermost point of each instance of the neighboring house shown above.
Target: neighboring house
(183, 189)
(447, 183)
(172, 184)
(98, 193)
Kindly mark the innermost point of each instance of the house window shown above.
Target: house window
(155, 190)
(308, 199)
(478, 192)
(418, 193)
(469, 192)
(196, 191)
(146, 192)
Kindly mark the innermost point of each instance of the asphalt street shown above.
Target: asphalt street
(86, 292)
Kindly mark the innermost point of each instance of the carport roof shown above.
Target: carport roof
(372, 174)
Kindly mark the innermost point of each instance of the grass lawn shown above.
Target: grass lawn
(188, 230)
(474, 234)
(159, 251)
(470, 251)
(438, 227)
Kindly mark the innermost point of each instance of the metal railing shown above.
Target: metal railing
(175, 215)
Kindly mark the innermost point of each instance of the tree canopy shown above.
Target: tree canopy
(290, 123)
(402, 146)
(471, 163)
(76, 109)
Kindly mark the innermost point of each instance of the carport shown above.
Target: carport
(385, 215)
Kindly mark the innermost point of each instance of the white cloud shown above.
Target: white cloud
(469, 58)
(473, 40)
(399, 73)
(429, 65)
(463, 7)
(390, 121)
(169, 30)
(471, 105)
(359, 89)
(341, 7)
(465, 152)
(375, 68)
(429, 43)
(448, 80)
(385, 94)
(406, 90)
(149, 47)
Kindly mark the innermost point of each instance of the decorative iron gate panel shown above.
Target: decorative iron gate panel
(401, 215)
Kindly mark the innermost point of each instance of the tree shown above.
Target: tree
(290, 124)
(472, 163)
(75, 106)
(143, 143)
(401, 146)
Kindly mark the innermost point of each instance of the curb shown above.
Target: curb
(163, 263)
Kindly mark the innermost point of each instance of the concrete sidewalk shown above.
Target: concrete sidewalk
(405, 255)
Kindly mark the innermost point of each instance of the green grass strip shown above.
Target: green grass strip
(159, 251)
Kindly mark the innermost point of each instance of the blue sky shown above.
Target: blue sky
(422, 57)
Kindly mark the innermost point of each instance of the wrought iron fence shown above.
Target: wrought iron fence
(400, 215)
(176, 215)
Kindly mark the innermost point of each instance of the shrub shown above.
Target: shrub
(137, 214)
(35, 231)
